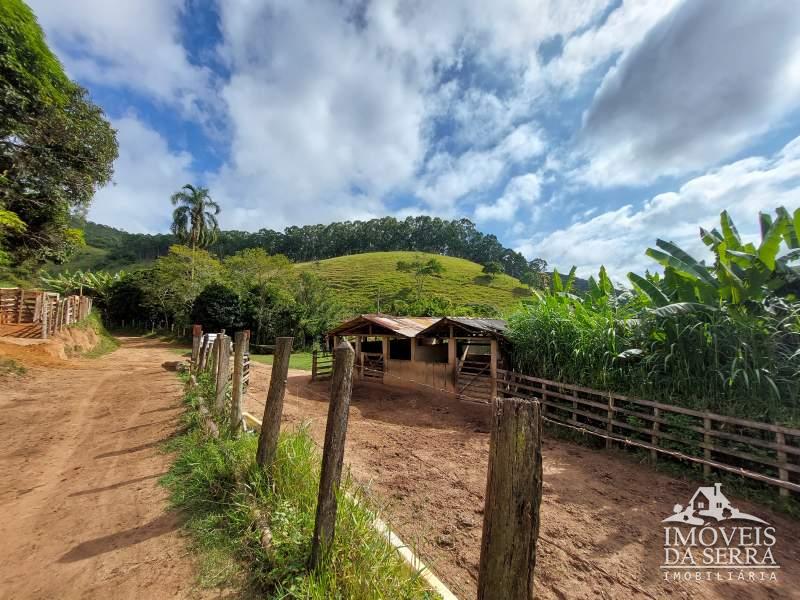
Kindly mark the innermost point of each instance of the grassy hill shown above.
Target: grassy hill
(359, 279)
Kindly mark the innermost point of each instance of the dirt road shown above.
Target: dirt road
(601, 533)
(82, 513)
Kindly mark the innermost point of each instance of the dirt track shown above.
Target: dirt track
(601, 536)
(83, 515)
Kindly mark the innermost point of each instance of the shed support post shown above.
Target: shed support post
(385, 348)
(413, 349)
(493, 368)
(451, 360)
(358, 361)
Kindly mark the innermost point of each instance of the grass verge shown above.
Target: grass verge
(298, 360)
(254, 533)
(106, 342)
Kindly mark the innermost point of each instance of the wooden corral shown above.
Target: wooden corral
(39, 314)
(460, 355)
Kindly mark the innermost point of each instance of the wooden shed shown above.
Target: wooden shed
(460, 355)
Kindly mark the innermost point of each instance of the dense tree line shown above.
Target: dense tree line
(459, 238)
(249, 290)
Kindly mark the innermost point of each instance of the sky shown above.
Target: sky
(579, 132)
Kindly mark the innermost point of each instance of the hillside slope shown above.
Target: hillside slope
(359, 279)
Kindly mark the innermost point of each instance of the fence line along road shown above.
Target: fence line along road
(764, 452)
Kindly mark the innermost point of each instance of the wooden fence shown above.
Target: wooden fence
(39, 314)
(321, 365)
(760, 451)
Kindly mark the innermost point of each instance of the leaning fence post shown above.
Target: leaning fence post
(240, 343)
(197, 332)
(513, 495)
(223, 370)
(333, 451)
(273, 409)
(201, 363)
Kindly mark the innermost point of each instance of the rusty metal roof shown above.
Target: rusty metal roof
(405, 326)
(494, 327)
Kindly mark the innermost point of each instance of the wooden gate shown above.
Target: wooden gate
(474, 380)
(372, 366)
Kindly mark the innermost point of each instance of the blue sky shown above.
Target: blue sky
(575, 131)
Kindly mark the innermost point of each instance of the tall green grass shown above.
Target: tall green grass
(228, 501)
(727, 361)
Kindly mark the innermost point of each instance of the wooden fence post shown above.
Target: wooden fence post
(241, 341)
(610, 423)
(333, 452)
(223, 371)
(201, 358)
(654, 437)
(783, 472)
(197, 333)
(707, 444)
(45, 315)
(513, 495)
(273, 409)
(211, 361)
(314, 365)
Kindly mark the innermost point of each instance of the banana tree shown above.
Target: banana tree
(98, 284)
(742, 272)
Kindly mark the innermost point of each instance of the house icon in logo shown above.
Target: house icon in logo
(711, 503)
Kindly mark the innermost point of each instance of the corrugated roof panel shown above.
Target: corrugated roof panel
(405, 326)
(494, 325)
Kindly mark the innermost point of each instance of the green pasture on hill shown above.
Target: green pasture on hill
(359, 279)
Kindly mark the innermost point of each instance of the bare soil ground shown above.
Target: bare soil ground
(424, 457)
(82, 513)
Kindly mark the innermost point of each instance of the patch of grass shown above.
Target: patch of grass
(359, 279)
(107, 343)
(298, 360)
(8, 366)
(229, 502)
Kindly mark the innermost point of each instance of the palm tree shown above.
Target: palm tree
(194, 221)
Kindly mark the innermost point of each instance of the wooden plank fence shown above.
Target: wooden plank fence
(43, 312)
(321, 365)
(761, 451)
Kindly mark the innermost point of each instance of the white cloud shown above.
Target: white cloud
(449, 178)
(145, 176)
(625, 27)
(618, 238)
(133, 45)
(699, 88)
(521, 190)
(331, 104)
